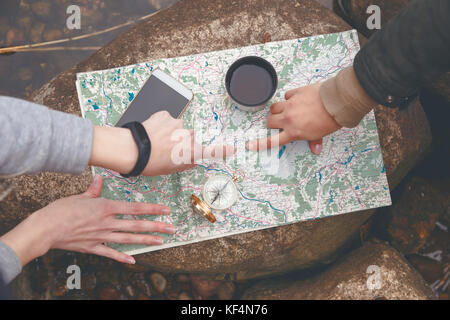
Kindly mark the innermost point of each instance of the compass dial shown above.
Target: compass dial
(220, 192)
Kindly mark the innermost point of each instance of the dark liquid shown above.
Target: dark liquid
(251, 84)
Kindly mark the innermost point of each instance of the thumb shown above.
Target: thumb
(95, 189)
(316, 146)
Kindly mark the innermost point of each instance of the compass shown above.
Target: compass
(219, 193)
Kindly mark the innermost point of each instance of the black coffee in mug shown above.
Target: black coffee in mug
(251, 82)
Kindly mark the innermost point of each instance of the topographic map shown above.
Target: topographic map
(287, 185)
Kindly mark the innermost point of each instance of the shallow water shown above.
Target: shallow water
(30, 21)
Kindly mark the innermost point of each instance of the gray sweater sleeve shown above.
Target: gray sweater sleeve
(10, 265)
(35, 138)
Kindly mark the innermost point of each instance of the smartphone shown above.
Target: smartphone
(160, 92)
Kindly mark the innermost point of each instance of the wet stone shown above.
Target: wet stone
(172, 295)
(158, 281)
(204, 287)
(109, 292)
(372, 272)
(25, 74)
(14, 37)
(226, 291)
(184, 296)
(141, 285)
(60, 290)
(129, 290)
(53, 35)
(41, 9)
(36, 32)
(24, 23)
(183, 278)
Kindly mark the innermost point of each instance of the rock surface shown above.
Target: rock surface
(353, 279)
(193, 27)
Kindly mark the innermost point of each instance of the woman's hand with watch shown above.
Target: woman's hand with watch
(116, 148)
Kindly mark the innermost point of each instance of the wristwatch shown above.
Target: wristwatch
(144, 147)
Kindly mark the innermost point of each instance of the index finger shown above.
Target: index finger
(270, 142)
(277, 107)
(135, 208)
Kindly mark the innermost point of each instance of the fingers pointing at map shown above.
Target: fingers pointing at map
(270, 142)
(301, 117)
(174, 148)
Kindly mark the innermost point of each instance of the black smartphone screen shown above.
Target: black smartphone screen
(154, 96)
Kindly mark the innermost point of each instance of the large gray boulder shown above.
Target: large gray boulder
(191, 27)
(374, 271)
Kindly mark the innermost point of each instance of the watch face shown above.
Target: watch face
(220, 192)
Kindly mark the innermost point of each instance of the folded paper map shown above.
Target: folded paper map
(286, 186)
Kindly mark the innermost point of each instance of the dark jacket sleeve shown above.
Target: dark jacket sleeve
(411, 50)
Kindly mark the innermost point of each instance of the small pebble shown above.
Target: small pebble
(60, 290)
(158, 281)
(108, 292)
(205, 287)
(226, 291)
(130, 291)
(183, 278)
(41, 8)
(53, 35)
(184, 296)
(14, 37)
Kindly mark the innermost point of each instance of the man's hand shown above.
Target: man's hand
(301, 117)
(83, 223)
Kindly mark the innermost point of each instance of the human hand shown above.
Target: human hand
(115, 148)
(174, 148)
(83, 223)
(301, 117)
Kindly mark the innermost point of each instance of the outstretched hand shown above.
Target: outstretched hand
(173, 148)
(301, 117)
(83, 223)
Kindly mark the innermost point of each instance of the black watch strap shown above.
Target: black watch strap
(144, 147)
